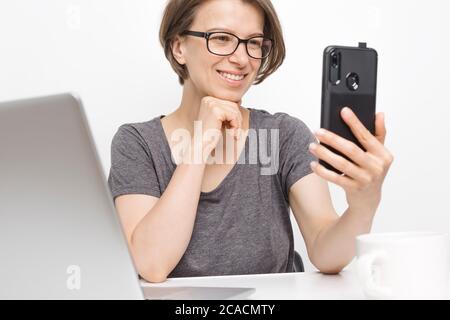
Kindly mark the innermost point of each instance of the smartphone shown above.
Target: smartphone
(349, 79)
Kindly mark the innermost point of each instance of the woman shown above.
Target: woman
(196, 217)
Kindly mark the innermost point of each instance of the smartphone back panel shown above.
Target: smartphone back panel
(349, 78)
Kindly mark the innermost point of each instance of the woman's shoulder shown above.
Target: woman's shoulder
(143, 131)
(283, 121)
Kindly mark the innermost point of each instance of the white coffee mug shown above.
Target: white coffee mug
(404, 265)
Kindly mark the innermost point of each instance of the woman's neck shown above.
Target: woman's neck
(188, 110)
(185, 115)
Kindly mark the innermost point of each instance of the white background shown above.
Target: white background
(108, 52)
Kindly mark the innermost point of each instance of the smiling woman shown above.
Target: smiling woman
(179, 16)
(201, 217)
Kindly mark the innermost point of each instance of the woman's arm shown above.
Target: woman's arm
(159, 230)
(329, 239)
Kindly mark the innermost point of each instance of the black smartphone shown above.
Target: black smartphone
(349, 79)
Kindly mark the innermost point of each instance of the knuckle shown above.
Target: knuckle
(215, 110)
(233, 116)
(389, 158)
(211, 105)
(232, 104)
(385, 162)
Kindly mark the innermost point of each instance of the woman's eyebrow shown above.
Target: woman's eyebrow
(231, 31)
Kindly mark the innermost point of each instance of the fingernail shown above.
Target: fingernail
(346, 110)
(313, 164)
(312, 146)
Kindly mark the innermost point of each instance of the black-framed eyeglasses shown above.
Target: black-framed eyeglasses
(224, 43)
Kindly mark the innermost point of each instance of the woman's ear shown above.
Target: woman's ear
(178, 50)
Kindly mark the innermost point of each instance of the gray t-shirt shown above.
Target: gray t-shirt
(242, 226)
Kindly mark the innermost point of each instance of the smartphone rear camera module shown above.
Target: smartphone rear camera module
(334, 66)
(334, 59)
(352, 81)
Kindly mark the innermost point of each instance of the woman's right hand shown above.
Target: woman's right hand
(215, 114)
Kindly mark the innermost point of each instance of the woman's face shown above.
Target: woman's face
(242, 19)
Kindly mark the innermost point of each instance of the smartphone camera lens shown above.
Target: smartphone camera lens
(334, 59)
(352, 81)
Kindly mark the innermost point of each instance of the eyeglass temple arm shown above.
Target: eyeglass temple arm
(197, 33)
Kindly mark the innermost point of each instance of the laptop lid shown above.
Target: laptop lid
(60, 236)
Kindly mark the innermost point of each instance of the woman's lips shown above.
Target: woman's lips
(231, 82)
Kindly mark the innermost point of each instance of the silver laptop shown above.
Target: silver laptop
(60, 237)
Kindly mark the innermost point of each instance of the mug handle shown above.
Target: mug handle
(365, 264)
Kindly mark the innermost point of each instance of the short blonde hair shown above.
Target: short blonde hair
(179, 15)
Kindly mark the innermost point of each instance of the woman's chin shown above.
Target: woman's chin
(227, 96)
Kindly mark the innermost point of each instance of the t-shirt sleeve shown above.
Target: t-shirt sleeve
(295, 157)
(132, 168)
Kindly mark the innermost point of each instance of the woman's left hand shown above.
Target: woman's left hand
(362, 179)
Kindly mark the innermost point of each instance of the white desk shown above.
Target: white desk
(289, 286)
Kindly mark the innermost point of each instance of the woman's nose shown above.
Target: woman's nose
(240, 56)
